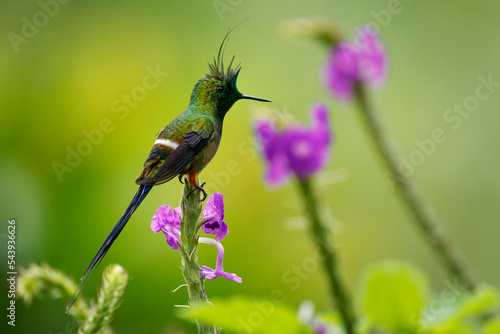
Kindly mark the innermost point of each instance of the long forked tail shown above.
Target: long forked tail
(115, 232)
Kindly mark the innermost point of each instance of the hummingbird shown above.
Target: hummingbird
(185, 146)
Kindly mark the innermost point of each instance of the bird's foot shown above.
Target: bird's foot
(200, 188)
(180, 179)
(203, 191)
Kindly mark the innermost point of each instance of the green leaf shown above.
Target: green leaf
(393, 294)
(452, 327)
(240, 314)
(462, 314)
(485, 299)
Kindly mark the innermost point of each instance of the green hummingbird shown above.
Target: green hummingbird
(183, 147)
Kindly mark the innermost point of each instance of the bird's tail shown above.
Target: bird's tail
(115, 232)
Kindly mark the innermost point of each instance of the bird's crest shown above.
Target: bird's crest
(217, 68)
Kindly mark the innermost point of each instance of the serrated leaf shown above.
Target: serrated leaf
(393, 294)
(240, 314)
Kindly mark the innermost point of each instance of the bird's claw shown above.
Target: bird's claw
(203, 191)
(200, 188)
(180, 179)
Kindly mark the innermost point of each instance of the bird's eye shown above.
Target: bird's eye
(219, 88)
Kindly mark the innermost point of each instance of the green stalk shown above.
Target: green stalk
(114, 281)
(322, 236)
(191, 209)
(423, 214)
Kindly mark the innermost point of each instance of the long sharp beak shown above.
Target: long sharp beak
(248, 97)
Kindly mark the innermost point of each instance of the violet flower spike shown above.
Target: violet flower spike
(213, 217)
(169, 223)
(351, 62)
(209, 273)
(297, 149)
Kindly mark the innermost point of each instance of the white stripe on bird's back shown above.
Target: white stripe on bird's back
(167, 142)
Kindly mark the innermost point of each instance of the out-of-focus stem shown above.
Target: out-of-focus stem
(114, 281)
(191, 209)
(322, 236)
(423, 214)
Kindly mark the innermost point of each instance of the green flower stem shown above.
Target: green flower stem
(423, 214)
(321, 235)
(191, 209)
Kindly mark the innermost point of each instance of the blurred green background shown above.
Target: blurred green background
(65, 78)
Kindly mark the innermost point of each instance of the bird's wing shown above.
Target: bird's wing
(163, 163)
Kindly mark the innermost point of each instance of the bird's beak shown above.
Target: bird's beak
(248, 97)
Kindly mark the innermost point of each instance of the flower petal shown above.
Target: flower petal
(308, 150)
(278, 170)
(215, 204)
(209, 273)
(373, 58)
(177, 215)
(365, 59)
(172, 239)
(218, 228)
(303, 153)
(266, 137)
(273, 144)
(341, 71)
(230, 276)
(321, 123)
(169, 223)
(213, 215)
(160, 218)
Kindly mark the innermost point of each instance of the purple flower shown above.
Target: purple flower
(168, 222)
(297, 149)
(349, 63)
(209, 273)
(213, 214)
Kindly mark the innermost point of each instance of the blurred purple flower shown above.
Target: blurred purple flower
(169, 223)
(296, 149)
(363, 60)
(213, 213)
(320, 329)
(209, 273)
(305, 315)
(273, 143)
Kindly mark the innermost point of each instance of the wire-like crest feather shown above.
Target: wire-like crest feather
(217, 68)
